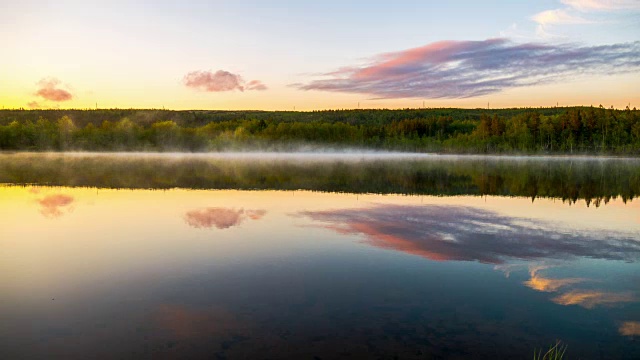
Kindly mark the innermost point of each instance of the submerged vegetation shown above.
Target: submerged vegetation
(593, 181)
(574, 130)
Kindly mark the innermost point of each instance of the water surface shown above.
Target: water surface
(359, 256)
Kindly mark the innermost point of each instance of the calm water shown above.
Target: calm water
(307, 257)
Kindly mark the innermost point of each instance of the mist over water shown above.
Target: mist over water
(314, 153)
(570, 179)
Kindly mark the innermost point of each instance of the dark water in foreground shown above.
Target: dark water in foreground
(225, 257)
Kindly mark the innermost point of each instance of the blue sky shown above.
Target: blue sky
(140, 55)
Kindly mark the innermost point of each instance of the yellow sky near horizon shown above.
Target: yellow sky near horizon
(618, 91)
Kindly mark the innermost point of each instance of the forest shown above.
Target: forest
(555, 130)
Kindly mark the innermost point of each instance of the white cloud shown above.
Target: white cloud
(603, 5)
(570, 15)
(558, 16)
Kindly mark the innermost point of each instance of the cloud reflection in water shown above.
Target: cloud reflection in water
(459, 233)
(52, 206)
(541, 283)
(592, 298)
(221, 218)
(630, 328)
(588, 299)
(187, 323)
(471, 234)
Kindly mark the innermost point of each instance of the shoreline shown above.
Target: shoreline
(328, 154)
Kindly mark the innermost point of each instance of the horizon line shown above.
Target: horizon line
(341, 109)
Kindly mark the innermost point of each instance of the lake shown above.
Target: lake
(317, 256)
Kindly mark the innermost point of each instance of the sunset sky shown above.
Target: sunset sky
(311, 55)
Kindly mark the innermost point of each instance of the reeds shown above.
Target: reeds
(555, 352)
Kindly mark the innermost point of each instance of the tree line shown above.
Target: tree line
(575, 130)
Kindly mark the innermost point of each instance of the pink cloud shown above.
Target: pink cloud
(256, 85)
(52, 205)
(402, 62)
(221, 218)
(462, 69)
(220, 81)
(48, 90)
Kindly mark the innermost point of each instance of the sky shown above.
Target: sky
(315, 55)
